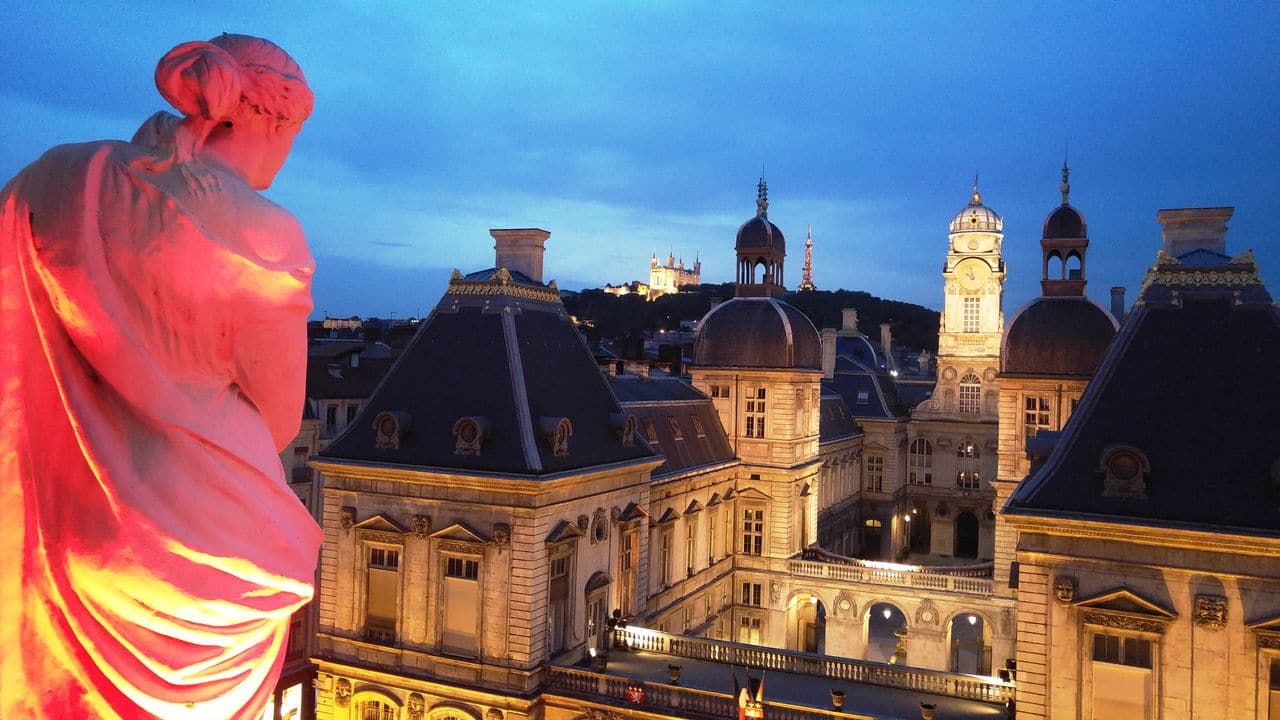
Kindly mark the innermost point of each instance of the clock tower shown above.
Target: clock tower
(972, 317)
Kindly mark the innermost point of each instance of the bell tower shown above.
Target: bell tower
(972, 315)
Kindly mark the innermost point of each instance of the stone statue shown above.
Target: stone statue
(153, 309)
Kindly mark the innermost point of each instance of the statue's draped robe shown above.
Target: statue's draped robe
(152, 319)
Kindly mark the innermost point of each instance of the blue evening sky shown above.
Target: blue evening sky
(626, 129)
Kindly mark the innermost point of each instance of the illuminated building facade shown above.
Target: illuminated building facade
(672, 275)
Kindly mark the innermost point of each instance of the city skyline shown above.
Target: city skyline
(630, 130)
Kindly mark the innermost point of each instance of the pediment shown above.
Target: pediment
(380, 523)
(459, 532)
(564, 530)
(694, 507)
(632, 512)
(1126, 602)
(715, 500)
(668, 515)
(1267, 632)
(751, 493)
(598, 580)
(806, 490)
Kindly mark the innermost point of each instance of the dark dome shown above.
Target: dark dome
(758, 232)
(1057, 336)
(757, 333)
(1065, 222)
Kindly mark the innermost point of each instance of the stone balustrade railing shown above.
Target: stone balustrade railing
(975, 570)
(890, 574)
(971, 687)
(675, 699)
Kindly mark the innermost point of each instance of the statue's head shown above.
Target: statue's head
(244, 99)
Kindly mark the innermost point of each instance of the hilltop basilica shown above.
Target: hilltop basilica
(1073, 516)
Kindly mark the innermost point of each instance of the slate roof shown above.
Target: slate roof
(757, 332)
(502, 350)
(1064, 223)
(1061, 336)
(835, 422)
(331, 377)
(758, 232)
(868, 394)
(656, 404)
(1191, 381)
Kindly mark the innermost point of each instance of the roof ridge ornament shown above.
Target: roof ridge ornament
(1066, 184)
(762, 198)
(977, 196)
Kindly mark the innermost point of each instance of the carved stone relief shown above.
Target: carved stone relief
(493, 714)
(927, 613)
(599, 526)
(845, 604)
(342, 692)
(1123, 622)
(501, 535)
(417, 706)
(348, 518)
(421, 526)
(775, 590)
(461, 548)
(1210, 612)
(1064, 589)
(1006, 622)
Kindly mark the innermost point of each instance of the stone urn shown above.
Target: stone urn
(927, 710)
(837, 699)
(673, 674)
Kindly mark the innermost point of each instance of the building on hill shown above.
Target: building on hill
(1149, 584)
(669, 277)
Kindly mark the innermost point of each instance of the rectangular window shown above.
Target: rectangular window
(719, 391)
(874, 472)
(382, 588)
(755, 411)
(351, 412)
(749, 631)
(690, 542)
(466, 569)
(863, 398)
(751, 594)
(1122, 650)
(1035, 416)
(711, 535)
(753, 531)
(972, 314)
(330, 419)
(970, 398)
(664, 557)
(559, 567)
(629, 554)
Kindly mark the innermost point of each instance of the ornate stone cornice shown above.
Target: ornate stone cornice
(1122, 622)
(461, 548)
(501, 284)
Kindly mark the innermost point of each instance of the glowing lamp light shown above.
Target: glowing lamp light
(914, 510)
(973, 619)
(888, 613)
(893, 373)
(592, 651)
(906, 518)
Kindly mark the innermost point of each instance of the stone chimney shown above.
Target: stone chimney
(886, 340)
(1187, 229)
(520, 250)
(828, 353)
(849, 318)
(1117, 303)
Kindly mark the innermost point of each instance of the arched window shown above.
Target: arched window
(376, 710)
(970, 394)
(920, 463)
(967, 473)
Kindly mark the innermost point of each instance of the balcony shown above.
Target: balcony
(965, 579)
(797, 685)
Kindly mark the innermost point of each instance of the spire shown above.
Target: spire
(806, 282)
(762, 199)
(977, 196)
(1066, 185)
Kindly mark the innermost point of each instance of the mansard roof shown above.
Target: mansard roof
(836, 421)
(1186, 396)
(499, 352)
(658, 402)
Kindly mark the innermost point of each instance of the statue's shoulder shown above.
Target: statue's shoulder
(67, 167)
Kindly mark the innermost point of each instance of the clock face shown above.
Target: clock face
(973, 274)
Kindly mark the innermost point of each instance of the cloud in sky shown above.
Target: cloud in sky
(629, 129)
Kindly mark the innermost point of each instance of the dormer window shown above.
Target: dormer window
(676, 432)
(1125, 470)
(390, 428)
(469, 434)
(556, 432)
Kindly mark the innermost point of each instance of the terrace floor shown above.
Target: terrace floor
(882, 703)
